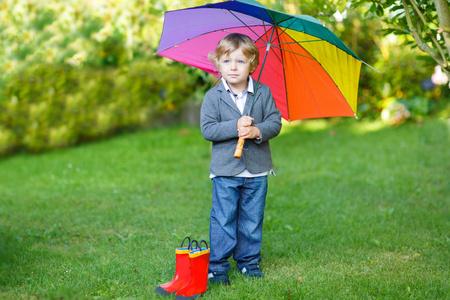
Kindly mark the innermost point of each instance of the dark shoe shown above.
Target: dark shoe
(219, 278)
(252, 271)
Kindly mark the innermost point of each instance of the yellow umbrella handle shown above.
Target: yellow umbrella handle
(239, 146)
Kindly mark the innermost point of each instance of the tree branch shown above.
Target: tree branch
(433, 38)
(420, 43)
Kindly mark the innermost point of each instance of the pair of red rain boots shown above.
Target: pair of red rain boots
(191, 273)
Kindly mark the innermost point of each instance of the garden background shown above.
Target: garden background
(103, 169)
(81, 70)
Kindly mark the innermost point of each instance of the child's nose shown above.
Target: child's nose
(234, 65)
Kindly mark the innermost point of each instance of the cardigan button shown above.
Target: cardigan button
(245, 145)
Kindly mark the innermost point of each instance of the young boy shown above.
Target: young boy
(239, 185)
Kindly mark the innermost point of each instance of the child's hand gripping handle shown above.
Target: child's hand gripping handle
(242, 122)
(239, 146)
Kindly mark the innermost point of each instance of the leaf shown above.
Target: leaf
(380, 10)
(373, 8)
(356, 4)
(387, 31)
(341, 6)
(376, 242)
(397, 7)
(289, 227)
(395, 31)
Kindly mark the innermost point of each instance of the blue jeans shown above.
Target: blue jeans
(236, 221)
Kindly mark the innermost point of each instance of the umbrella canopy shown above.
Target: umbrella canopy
(310, 71)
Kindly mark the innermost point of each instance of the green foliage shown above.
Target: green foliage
(418, 22)
(84, 70)
(81, 32)
(75, 63)
(401, 71)
(356, 211)
(45, 106)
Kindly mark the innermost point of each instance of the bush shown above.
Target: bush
(399, 110)
(46, 106)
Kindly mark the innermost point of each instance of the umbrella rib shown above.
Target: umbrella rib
(259, 37)
(294, 52)
(276, 54)
(282, 31)
(264, 24)
(282, 49)
(285, 82)
(260, 73)
(257, 41)
(299, 42)
(224, 30)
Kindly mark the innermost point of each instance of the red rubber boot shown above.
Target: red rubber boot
(182, 271)
(198, 280)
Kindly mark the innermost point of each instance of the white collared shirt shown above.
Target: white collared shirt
(240, 99)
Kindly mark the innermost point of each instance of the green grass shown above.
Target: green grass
(357, 210)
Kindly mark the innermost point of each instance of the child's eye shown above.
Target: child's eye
(241, 62)
(226, 61)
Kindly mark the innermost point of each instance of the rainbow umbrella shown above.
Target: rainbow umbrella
(310, 71)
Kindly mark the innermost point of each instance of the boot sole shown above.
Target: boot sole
(179, 297)
(160, 291)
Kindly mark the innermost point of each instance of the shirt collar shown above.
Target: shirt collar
(248, 89)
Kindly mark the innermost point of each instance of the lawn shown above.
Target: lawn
(357, 210)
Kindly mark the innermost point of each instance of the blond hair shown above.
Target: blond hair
(231, 43)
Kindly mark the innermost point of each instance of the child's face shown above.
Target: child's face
(235, 68)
